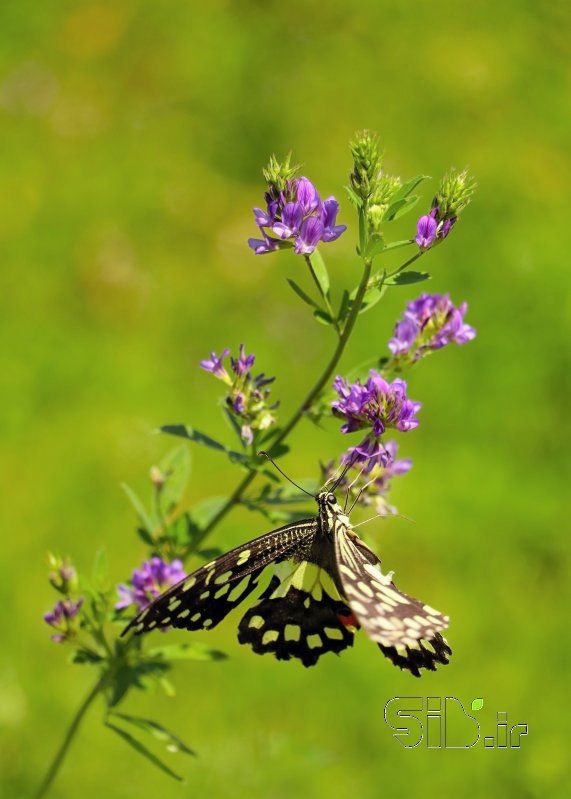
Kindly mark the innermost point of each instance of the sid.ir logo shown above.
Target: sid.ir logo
(443, 723)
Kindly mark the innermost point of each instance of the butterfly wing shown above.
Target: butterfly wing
(206, 596)
(406, 630)
(297, 616)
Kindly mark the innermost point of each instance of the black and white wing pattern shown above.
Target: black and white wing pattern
(299, 615)
(406, 630)
(205, 597)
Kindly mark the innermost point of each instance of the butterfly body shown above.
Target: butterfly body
(327, 583)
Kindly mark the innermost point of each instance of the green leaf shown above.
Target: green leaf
(185, 431)
(395, 245)
(176, 467)
(100, 574)
(301, 293)
(174, 743)
(142, 750)
(354, 197)
(407, 206)
(407, 278)
(202, 514)
(375, 246)
(85, 656)
(323, 317)
(344, 307)
(407, 187)
(371, 298)
(477, 704)
(320, 271)
(278, 450)
(399, 208)
(193, 651)
(140, 510)
(233, 422)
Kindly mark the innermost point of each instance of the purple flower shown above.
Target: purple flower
(247, 395)
(430, 323)
(373, 466)
(214, 365)
(292, 217)
(61, 616)
(377, 405)
(265, 245)
(426, 231)
(307, 195)
(298, 217)
(310, 234)
(329, 211)
(243, 363)
(446, 227)
(148, 582)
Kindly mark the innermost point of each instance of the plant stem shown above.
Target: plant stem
(406, 263)
(58, 760)
(238, 492)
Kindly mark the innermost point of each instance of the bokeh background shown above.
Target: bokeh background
(132, 138)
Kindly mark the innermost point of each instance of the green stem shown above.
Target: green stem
(238, 492)
(58, 760)
(406, 263)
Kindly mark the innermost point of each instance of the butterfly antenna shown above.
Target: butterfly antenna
(264, 454)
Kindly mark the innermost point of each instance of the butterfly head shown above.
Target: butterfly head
(330, 511)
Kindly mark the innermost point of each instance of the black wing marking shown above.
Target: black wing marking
(297, 616)
(406, 630)
(206, 596)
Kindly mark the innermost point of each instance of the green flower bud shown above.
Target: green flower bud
(366, 164)
(454, 193)
(279, 175)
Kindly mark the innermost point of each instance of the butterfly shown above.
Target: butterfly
(326, 585)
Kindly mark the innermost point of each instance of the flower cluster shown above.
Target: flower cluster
(62, 617)
(372, 483)
(296, 215)
(248, 397)
(429, 323)
(375, 404)
(454, 194)
(148, 582)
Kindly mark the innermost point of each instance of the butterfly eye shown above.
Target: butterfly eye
(331, 498)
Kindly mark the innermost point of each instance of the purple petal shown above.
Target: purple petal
(309, 235)
(425, 231)
(307, 195)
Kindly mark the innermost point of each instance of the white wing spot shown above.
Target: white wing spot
(358, 607)
(243, 557)
(187, 585)
(207, 623)
(196, 617)
(223, 578)
(184, 613)
(334, 633)
(173, 605)
(205, 595)
(222, 591)
(257, 622)
(365, 589)
(314, 641)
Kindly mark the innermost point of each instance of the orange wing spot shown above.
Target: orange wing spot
(348, 619)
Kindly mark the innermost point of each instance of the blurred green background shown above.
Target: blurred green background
(132, 137)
